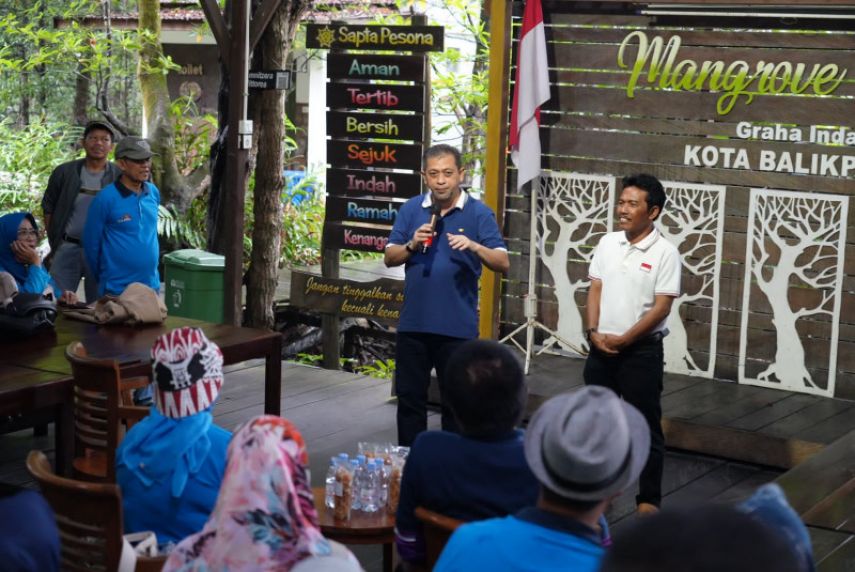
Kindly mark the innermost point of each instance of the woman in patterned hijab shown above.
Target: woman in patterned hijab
(265, 516)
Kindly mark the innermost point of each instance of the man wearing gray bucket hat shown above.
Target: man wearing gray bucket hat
(584, 448)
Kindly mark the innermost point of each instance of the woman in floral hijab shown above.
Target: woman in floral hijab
(265, 516)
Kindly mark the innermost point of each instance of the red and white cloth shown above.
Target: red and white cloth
(188, 370)
(531, 91)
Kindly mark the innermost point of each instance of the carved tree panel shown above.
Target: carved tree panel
(792, 290)
(693, 220)
(573, 213)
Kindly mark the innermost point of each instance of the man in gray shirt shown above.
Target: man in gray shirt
(70, 189)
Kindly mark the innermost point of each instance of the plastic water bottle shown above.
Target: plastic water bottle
(383, 471)
(329, 484)
(358, 481)
(369, 490)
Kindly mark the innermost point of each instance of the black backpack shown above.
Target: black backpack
(27, 314)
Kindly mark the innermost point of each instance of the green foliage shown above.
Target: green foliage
(40, 61)
(193, 134)
(302, 223)
(27, 157)
(179, 229)
(381, 369)
(316, 359)
(309, 359)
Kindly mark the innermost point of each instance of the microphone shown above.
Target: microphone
(435, 209)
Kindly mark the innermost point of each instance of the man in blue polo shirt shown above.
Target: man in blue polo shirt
(442, 267)
(120, 236)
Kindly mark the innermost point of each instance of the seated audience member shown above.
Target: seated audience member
(584, 448)
(20, 259)
(769, 506)
(481, 472)
(265, 517)
(712, 538)
(29, 539)
(170, 465)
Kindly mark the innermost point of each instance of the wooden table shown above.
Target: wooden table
(36, 378)
(362, 528)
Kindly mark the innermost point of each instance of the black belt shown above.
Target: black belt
(653, 338)
(71, 239)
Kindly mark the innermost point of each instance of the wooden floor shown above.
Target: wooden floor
(336, 410)
(753, 424)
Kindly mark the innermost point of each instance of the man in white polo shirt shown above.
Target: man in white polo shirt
(635, 276)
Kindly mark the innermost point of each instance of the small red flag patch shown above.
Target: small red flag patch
(646, 267)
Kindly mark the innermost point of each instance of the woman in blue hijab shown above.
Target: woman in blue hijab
(18, 256)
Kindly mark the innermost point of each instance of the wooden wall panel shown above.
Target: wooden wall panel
(591, 126)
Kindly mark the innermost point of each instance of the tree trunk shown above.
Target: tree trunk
(268, 116)
(81, 96)
(173, 187)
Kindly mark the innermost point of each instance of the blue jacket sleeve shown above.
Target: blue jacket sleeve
(37, 280)
(93, 233)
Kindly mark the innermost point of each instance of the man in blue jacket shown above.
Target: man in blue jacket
(120, 236)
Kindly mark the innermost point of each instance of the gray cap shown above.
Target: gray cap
(98, 124)
(133, 148)
(587, 445)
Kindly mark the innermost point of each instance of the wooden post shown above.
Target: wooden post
(494, 165)
(235, 188)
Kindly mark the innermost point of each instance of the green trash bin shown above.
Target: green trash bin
(194, 284)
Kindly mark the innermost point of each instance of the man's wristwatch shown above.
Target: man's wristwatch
(588, 333)
(409, 247)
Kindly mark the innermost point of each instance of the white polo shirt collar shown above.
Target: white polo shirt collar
(427, 201)
(645, 242)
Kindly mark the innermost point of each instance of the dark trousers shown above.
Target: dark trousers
(636, 375)
(415, 355)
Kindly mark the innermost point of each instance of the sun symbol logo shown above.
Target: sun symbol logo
(326, 37)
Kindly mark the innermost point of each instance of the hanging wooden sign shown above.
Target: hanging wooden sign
(364, 238)
(375, 37)
(372, 154)
(352, 182)
(375, 96)
(364, 66)
(361, 210)
(355, 125)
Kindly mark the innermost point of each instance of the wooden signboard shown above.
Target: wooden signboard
(341, 209)
(352, 182)
(373, 154)
(355, 125)
(374, 37)
(378, 300)
(363, 238)
(364, 66)
(384, 97)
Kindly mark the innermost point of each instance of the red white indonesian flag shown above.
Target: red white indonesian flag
(531, 91)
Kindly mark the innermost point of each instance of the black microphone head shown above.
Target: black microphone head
(435, 209)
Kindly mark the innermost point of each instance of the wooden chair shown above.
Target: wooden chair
(89, 518)
(438, 528)
(102, 401)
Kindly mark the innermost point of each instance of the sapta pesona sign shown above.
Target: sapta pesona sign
(658, 64)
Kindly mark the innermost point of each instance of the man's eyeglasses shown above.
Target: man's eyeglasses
(25, 232)
(99, 139)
